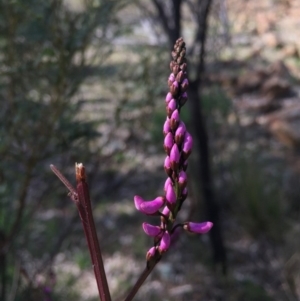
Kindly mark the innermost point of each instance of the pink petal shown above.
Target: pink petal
(151, 230)
(148, 207)
(200, 228)
(152, 207)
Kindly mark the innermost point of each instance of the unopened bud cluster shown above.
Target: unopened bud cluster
(178, 144)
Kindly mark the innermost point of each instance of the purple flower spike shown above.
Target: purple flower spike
(187, 145)
(168, 143)
(151, 230)
(165, 242)
(174, 157)
(200, 228)
(171, 107)
(174, 120)
(180, 132)
(148, 207)
(168, 97)
(167, 183)
(182, 179)
(171, 79)
(170, 195)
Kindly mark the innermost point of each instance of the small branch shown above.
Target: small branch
(72, 191)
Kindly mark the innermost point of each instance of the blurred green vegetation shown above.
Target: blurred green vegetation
(46, 48)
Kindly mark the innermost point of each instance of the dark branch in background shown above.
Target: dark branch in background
(205, 173)
(200, 12)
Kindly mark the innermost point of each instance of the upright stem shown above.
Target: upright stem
(85, 211)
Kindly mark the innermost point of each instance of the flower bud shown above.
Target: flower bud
(183, 99)
(174, 54)
(172, 64)
(166, 128)
(184, 85)
(165, 213)
(200, 228)
(168, 97)
(174, 157)
(183, 66)
(180, 132)
(151, 253)
(174, 120)
(175, 69)
(164, 243)
(171, 79)
(167, 182)
(182, 180)
(180, 76)
(174, 89)
(167, 166)
(168, 143)
(171, 107)
(187, 145)
(170, 196)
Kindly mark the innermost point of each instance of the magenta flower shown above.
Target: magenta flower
(200, 228)
(148, 207)
(151, 230)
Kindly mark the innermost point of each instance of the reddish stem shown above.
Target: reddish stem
(86, 215)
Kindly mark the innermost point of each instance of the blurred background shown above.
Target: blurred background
(85, 81)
